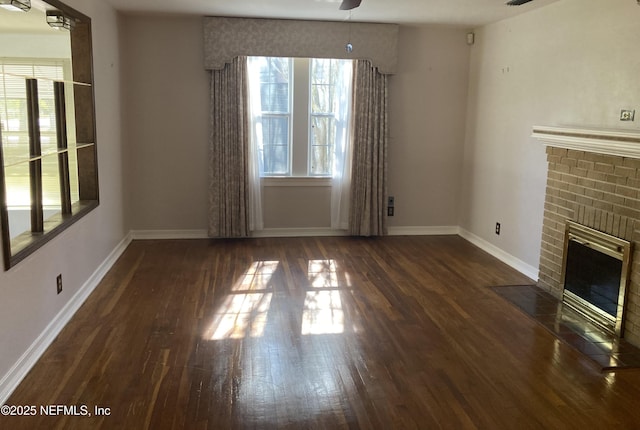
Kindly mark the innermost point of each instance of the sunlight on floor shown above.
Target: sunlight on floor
(322, 312)
(257, 277)
(244, 312)
(245, 315)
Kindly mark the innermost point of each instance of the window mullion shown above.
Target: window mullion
(300, 117)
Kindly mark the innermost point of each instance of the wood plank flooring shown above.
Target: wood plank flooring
(316, 333)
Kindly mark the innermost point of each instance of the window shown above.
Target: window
(300, 114)
(275, 113)
(325, 76)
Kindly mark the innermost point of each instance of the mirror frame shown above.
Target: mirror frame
(28, 242)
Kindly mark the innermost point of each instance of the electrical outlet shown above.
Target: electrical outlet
(59, 283)
(627, 115)
(390, 211)
(498, 228)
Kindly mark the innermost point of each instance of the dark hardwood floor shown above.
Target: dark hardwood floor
(325, 333)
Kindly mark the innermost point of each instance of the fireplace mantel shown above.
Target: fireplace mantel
(622, 143)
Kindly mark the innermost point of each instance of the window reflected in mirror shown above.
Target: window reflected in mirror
(47, 128)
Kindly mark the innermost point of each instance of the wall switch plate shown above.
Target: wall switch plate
(391, 201)
(390, 211)
(627, 115)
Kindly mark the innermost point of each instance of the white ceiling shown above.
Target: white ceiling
(468, 13)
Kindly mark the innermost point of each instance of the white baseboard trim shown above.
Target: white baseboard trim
(293, 232)
(19, 370)
(519, 265)
(298, 232)
(168, 234)
(267, 232)
(321, 231)
(424, 231)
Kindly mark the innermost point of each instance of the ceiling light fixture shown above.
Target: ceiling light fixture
(16, 5)
(349, 46)
(517, 2)
(59, 20)
(350, 4)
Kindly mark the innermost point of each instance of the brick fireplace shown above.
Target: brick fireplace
(594, 180)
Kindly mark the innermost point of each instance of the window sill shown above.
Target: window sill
(296, 181)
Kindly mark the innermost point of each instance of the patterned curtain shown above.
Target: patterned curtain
(229, 152)
(367, 216)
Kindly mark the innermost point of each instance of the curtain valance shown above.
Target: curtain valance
(226, 38)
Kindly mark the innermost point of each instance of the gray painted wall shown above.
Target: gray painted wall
(29, 301)
(572, 62)
(166, 109)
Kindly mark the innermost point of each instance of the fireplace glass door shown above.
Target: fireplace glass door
(596, 268)
(593, 276)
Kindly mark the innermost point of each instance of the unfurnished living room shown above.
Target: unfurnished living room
(319, 214)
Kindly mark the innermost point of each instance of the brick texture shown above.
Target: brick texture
(601, 192)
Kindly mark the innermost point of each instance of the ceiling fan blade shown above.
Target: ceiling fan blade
(517, 2)
(350, 4)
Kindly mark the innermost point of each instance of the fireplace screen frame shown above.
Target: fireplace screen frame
(607, 244)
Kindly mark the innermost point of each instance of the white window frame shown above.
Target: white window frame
(300, 140)
(289, 116)
(330, 114)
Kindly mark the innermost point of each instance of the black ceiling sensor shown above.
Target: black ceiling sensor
(350, 4)
(517, 2)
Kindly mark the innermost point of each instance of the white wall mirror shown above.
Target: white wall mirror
(48, 166)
